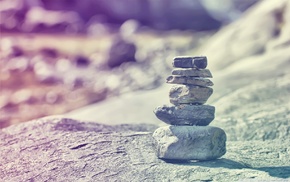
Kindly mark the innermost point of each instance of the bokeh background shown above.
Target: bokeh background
(60, 55)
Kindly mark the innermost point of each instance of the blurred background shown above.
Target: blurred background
(60, 55)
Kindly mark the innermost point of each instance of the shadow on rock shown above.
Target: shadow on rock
(225, 163)
(278, 171)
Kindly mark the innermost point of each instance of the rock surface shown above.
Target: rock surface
(192, 72)
(190, 142)
(187, 94)
(59, 149)
(189, 81)
(185, 114)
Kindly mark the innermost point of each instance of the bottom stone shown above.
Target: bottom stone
(190, 142)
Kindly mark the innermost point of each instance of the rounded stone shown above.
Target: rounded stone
(185, 114)
(190, 142)
(189, 94)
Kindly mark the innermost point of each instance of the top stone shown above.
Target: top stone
(190, 62)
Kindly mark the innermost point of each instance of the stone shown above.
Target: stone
(82, 61)
(189, 94)
(204, 73)
(189, 81)
(185, 114)
(190, 142)
(120, 52)
(190, 62)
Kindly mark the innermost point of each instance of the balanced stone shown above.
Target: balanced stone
(185, 114)
(189, 94)
(189, 81)
(190, 142)
(190, 62)
(204, 73)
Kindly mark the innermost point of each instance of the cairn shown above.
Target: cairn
(188, 136)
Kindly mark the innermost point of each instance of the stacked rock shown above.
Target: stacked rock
(188, 137)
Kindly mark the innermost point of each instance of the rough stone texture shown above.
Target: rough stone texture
(190, 62)
(189, 81)
(185, 114)
(204, 73)
(190, 142)
(187, 94)
(70, 150)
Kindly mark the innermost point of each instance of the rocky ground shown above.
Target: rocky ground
(249, 60)
(59, 149)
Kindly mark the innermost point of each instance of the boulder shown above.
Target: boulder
(62, 149)
(190, 142)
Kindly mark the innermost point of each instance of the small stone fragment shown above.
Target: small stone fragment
(189, 81)
(185, 114)
(204, 73)
(189, 94)
(190, 142)
(190, 62)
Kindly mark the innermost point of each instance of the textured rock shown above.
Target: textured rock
(187, 94)
(185, 114)
(190, 142)
(59, 149)
(204, 73)
(190, 62)
(189, 81)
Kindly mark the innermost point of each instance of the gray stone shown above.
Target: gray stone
(121, 51)
(189, 81)
(190, 62)
(189, 94)
(62, 149)
(190, 142)
(185, 114)
(204, 73)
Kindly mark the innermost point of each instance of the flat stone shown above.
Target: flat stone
(190, 142)
(189, 81)
(189, 94)
(204, 73)
(190, 62)
(185, 114)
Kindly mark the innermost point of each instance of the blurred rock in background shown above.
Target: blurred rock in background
(72, 16)
(58, 55)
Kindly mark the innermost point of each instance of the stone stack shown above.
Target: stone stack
(188, 136)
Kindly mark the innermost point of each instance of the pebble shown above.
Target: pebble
(189, 94)
(189, 81)
(201, 115)
(204, 73)
(190, 62)
(190, 142)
